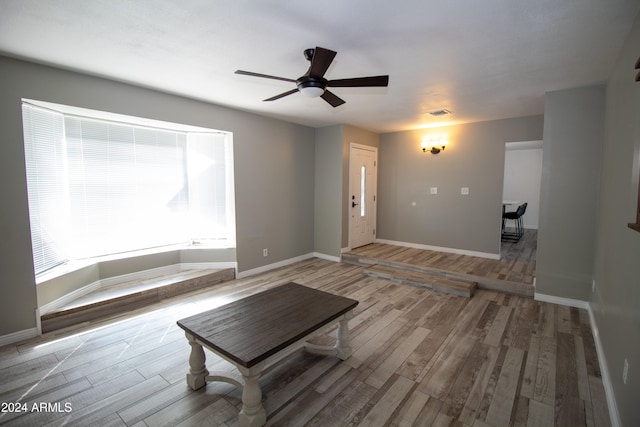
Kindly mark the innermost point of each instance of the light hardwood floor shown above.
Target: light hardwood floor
(516, 264)
(420, 358)
(514, 272)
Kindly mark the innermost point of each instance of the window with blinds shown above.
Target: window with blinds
(98, 187)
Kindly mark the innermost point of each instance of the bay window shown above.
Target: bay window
(101, 186)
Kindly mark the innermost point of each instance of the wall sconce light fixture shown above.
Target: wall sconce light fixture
(433, 144)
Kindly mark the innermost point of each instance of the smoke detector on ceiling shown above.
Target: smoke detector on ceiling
(438, 113)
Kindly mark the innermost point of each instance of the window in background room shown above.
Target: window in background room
(101, 187)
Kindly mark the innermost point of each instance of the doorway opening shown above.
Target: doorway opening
(363, 177)
(521, 184)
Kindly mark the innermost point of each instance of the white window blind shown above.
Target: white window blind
(209, 196)
(46, 178)
(99, 187)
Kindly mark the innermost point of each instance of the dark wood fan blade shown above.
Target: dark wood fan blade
(360, 82)
(332, 98)
(282, 95)
(266, 76)
(320, 62)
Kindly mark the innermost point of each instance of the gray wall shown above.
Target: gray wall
(332, 184)
(474, 158)
(274, 172)
(616, 300)
(572, 149)
(328, 190)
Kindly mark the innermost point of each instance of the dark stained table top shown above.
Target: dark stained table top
(251, 329)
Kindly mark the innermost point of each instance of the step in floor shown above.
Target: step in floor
(130, 295)
(483, 281)
(438, 283)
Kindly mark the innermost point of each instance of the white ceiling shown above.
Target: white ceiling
(482, 60)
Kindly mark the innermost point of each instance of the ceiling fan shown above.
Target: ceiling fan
(313, 83)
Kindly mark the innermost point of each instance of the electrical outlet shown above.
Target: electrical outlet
(625, 371)
(464, 191)
(265, 252)
(434, 190)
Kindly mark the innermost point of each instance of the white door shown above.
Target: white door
(362, 194)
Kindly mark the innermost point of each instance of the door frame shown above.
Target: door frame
(373, 149)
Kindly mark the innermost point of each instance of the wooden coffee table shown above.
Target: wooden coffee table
(257, 332)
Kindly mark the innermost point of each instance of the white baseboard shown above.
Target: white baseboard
(561, 301)
(265, 268)
(18, 336)
(440, 249)
(208, 265)
(614, 415)
(602, 361)
(286, 262)
(38, 321)
(327, 257)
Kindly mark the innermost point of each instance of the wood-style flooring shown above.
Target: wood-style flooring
(420, 358)
(514, 272)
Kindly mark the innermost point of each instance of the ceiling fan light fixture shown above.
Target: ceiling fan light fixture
(312, 91)
(313, 84)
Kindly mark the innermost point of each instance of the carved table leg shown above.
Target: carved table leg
(343, 343)
(252, 413)
(196, 378)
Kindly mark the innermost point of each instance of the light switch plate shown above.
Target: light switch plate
(464, 191)
(434, 190)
